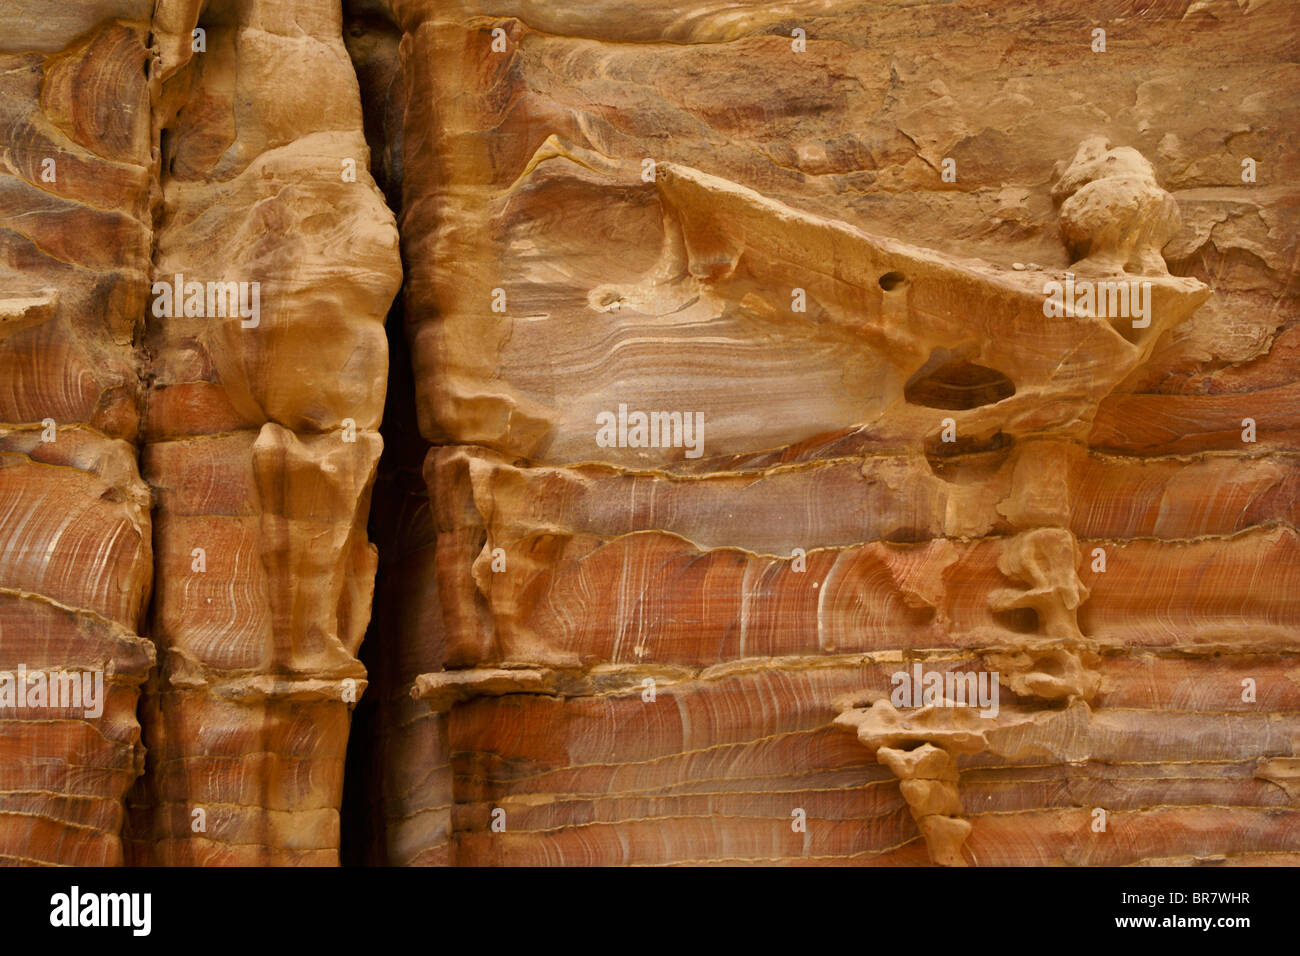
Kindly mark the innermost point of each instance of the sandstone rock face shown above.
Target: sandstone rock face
(816, 433)
(76, 553)
(261, 435)
(768, 354)
(194, 375)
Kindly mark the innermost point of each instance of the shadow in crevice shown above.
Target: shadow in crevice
(399, 521)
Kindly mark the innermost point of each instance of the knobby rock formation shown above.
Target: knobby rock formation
(204, 475)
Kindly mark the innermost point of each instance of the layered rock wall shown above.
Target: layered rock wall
(821, 239)
(194, 307)
(76, 530)
(829, 432)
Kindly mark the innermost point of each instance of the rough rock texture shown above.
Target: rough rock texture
(262, 438)
(651, 649)
(824, 432)
(193, 143)
(75, 523)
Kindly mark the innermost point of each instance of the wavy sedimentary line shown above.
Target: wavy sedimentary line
(739, 254)
(805, 701)
(707, 767)
(198, 851)
(476, 771)
(1253, 738)
(653, 842)
(835, 842)
(496, 386)
(1284, 527)
(1130, 837)
(1150, 424)
(115, 732)
(770, 810)
(103, 585)
(261, 431)
(758, 760)
(854, 501)
(1243, 743)
(722, 225)
(1068, 786)
(857, 543)
(120, 632)
(864, 443)
(715, 813)
(77, 567)
(616, 23)
(736, 467)
(1249, 858)
(288, 757)
(1131, 673)
(683, 602)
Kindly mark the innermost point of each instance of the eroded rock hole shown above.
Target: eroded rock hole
(1021, 620)
(948, 382)
(892, 280)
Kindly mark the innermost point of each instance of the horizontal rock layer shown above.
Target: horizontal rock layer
(747, 377)
(76, 561)
(712, 770)
(744, 396)
(193, 278)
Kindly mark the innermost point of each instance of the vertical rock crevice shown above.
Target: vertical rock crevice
(397, 800)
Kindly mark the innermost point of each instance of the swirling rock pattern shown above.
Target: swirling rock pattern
(748, 358)
(905, 455)
(76, 555)
(261, 436)
(216, 464)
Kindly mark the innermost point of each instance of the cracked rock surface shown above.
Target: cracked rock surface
(488, 432)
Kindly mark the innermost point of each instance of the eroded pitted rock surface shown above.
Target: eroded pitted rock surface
(194, 365)
(76, 561)
(748, 358)
(1114, 216)
(745, 394)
